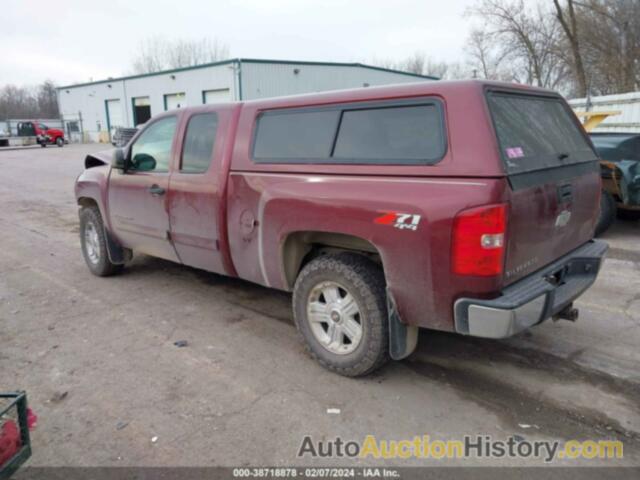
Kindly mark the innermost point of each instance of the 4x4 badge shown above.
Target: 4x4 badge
(403, 221)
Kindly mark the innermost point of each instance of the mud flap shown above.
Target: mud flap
(403, 338)
(117, 254)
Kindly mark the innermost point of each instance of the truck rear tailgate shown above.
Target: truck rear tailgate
(554, 178)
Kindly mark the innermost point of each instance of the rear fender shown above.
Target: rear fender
(408, 221)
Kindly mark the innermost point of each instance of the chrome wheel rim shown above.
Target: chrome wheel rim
(334, 317)
(91, 242)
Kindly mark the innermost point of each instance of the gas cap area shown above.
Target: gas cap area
(248, 223)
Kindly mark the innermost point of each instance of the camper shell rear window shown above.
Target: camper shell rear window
(537, 132)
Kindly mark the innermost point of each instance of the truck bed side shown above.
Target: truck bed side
(276, 220)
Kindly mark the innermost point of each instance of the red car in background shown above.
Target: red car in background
(46, 136)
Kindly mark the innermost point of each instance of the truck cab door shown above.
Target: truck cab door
(138, 197)
(195, 189)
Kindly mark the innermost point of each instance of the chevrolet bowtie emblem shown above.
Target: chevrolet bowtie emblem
(563, 218)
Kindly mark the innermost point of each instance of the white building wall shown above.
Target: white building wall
(90, 99)
(627, 103)
(261, 80)
(88, 103)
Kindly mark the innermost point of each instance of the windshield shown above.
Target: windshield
(43, 127)
(536, 132)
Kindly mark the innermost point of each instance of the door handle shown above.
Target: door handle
(565, 193)
(156, 190)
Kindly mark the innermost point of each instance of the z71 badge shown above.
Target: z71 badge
(403, 221)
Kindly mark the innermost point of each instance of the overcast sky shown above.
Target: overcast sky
(76, 40)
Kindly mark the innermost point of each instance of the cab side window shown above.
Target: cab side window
(152, 150)
(199, 142)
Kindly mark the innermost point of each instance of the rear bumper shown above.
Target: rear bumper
(533, 299)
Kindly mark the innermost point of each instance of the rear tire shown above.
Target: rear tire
(607, 212)
(339, 305)
(43, 144)
(94, 243)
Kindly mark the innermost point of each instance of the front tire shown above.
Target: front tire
(339, 305)
(607, 212)
(94, 243)
(60, 142)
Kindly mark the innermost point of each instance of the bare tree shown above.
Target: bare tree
(157, 53)
(484, 59)
(568, 20)
(421, 64)
(29, 102)
(415, 64)
(610, 44)
(577, 46)
(525, 38)
(47, 100)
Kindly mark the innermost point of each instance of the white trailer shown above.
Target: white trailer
(627, 104)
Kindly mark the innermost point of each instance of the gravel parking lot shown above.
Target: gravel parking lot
(98, 360)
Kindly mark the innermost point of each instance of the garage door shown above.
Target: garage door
(141, 110)
(174, 100)
(216, 96)
(114, 114)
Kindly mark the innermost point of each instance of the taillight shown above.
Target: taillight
(478, 241)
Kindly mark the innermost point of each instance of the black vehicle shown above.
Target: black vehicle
(620, 171)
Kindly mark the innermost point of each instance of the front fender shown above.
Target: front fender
(92, 184)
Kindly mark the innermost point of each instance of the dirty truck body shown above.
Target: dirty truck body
(461, 206)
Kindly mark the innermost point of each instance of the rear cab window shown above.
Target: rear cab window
(536, 132)
(385, 133)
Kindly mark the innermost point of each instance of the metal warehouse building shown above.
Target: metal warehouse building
(95, 109)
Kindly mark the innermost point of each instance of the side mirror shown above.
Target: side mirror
(143, 162)
(119, 160)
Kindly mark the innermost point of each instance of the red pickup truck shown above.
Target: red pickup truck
(458, 206)
(45, 134)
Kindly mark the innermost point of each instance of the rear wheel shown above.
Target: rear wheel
(607, 212)
(339, 305)
(43, 144)
(94, 243)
